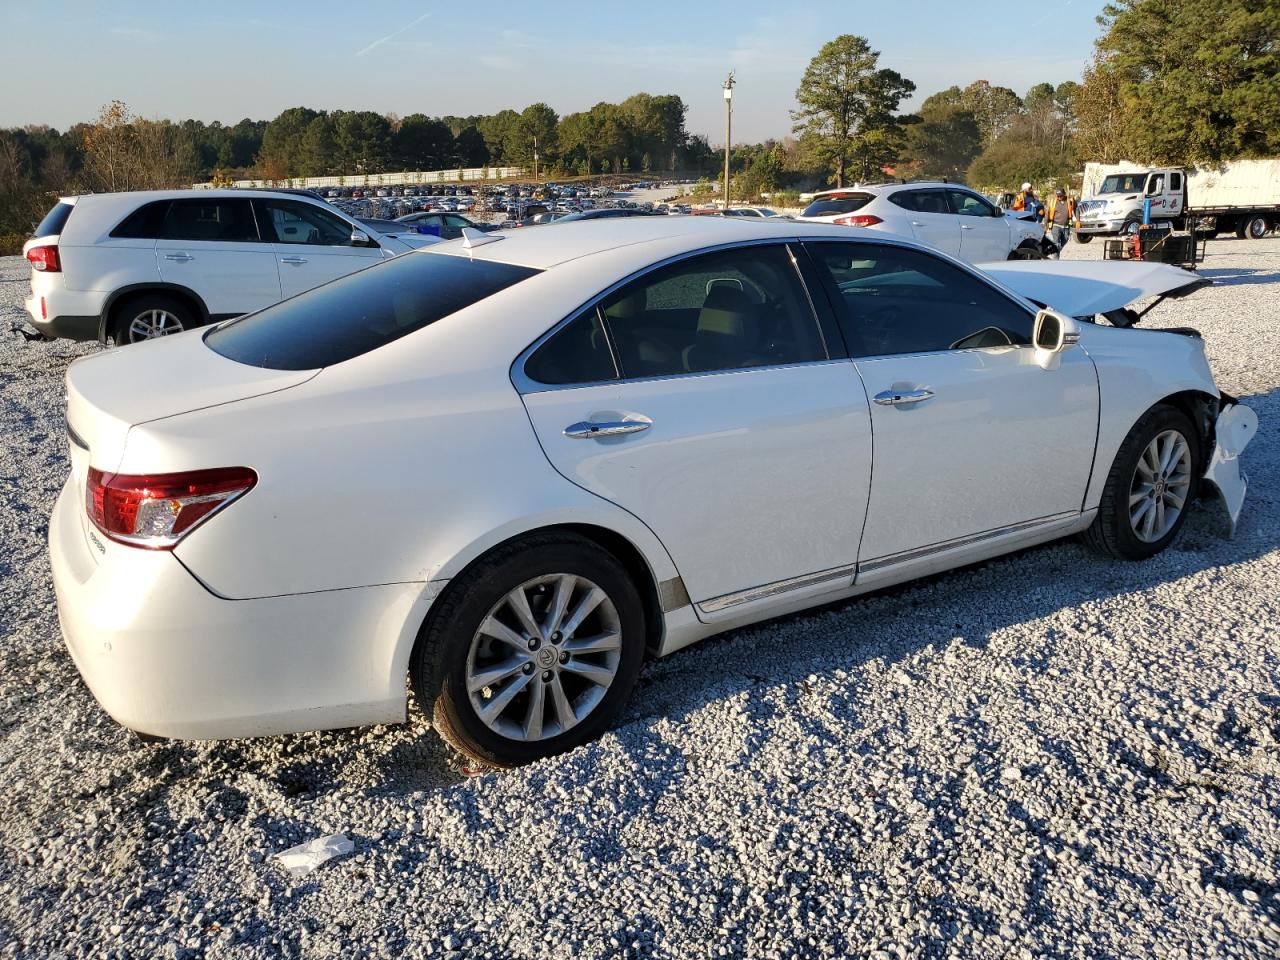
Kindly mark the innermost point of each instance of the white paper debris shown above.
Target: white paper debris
(305, 857)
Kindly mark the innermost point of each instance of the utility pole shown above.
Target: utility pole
(728, 132)
(535, 161)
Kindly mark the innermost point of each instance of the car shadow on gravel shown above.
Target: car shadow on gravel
(1227, 277)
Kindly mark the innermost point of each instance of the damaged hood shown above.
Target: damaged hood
(1085, 288)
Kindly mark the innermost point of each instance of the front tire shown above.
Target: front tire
(532, 651)
(150, 316)
(1083, 237)
(1256, 227)
(1026, 253)
(1150, 487)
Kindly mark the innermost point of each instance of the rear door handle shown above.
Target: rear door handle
(902, 398)
(589, 430)
(179, 257)
(916, 223)
(965, 227)
(293, 260)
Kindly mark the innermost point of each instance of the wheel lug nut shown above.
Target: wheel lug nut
(555, 637)
(534, 643)
(546, 676)
(528, 668)
(564, 656)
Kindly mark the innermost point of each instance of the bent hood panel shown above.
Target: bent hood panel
(1086, 288)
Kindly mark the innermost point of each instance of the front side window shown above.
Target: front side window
(894, 300)
(362, 311)
(967, 204)
(222, 220)
(728, 310)
(294, 221)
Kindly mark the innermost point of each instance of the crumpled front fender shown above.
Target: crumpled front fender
(1235, 428)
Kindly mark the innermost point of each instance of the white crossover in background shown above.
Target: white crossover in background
(510, 467)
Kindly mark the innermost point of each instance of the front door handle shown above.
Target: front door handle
(179, 257)
(902, 398)
(294, 260)
(588, 430)
(916, 223)
(965, 226)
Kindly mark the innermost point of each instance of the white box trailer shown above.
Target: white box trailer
(1242, 196)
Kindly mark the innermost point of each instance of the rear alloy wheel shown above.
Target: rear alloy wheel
(149, 317)
(532, 651)
(1149, 487)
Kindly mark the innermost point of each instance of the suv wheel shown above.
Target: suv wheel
(1149, 488)
(531, 652)
(149, 316)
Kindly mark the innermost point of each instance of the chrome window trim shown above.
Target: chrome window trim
(724, 602)
(525, 384)
(919, 553)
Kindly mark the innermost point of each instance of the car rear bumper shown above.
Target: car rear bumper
(166, 657)
(51, 318)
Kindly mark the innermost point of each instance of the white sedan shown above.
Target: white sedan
(513, 466)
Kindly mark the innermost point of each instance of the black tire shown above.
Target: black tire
(146, 309)
(1238, 230)
(1083, 237)
(438, 667)
(1131, 226)
(1026, 253)
(1111, 532)
(1256, 227)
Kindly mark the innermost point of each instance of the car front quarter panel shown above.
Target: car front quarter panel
(1136, 370)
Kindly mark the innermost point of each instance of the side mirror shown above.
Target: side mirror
(361, 239)
(1053, 333)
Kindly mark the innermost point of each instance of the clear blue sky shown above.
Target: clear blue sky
(230, 59)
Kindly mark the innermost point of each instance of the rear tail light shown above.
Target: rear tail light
(155, 511)
(860, 220)
(45, 259)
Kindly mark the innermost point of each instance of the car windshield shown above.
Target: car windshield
(1123, 183)
(361, 312)
(834, 203)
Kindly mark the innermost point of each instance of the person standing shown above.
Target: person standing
(1027, 201)
(1059, 217)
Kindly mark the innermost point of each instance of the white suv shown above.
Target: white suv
(952, 218)
(132, 266)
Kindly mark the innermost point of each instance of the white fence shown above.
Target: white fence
(405, 178)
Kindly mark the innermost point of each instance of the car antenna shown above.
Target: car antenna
(472, 238)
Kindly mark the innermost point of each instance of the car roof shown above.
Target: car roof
(891, 187)
(561, 242)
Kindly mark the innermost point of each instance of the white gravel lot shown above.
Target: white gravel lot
(1049, 755)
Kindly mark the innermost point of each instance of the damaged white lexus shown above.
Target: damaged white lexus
(512, 466)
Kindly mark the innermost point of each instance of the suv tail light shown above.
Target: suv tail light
(155, 511)
(860, 220)
(45, 259)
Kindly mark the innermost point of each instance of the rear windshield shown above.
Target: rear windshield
(837, 203)
(54, 220)
(361, 312)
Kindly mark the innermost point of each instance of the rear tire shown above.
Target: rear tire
(1141, 489)
(149, 316)
(1256, 227)
(458, 647)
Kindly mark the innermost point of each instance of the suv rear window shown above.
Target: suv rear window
(361, 312)
(54, 220)
(835, 203)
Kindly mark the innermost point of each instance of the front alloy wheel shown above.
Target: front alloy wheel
(1160, 486)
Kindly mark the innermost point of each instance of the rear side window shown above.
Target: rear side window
(54, 220)
(362, 311)
(224, 220)
(144, 223)
(837, 203)
(578, 353)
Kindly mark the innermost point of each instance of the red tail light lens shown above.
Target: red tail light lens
(45, 259)
(860, 220)
(157, 510)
